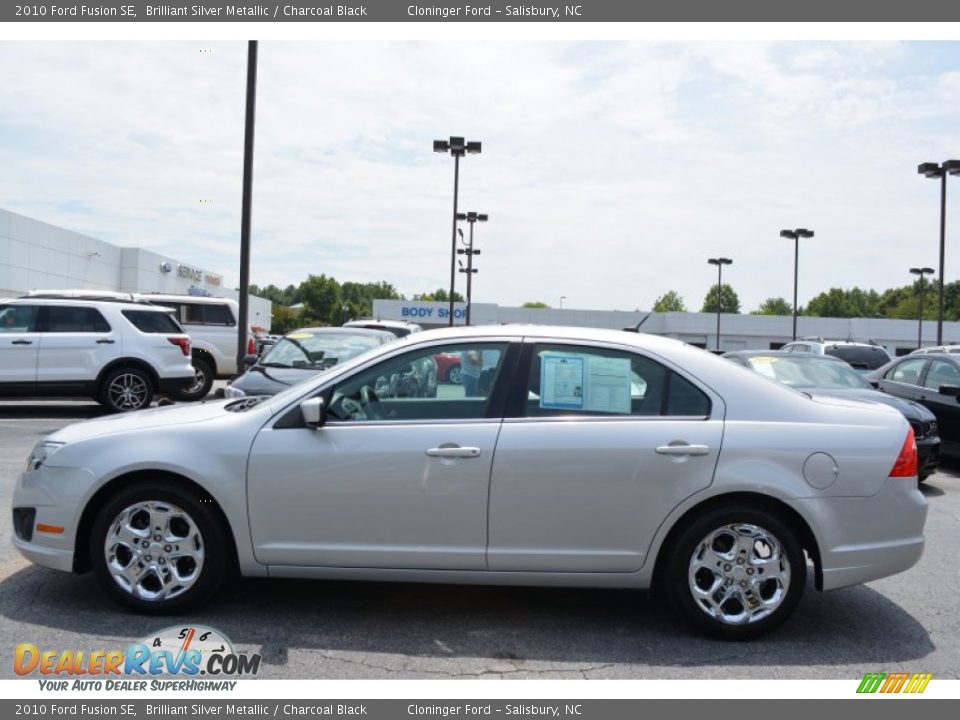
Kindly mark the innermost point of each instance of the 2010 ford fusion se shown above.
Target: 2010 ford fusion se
(579, 457)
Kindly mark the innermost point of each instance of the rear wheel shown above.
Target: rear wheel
(203, 382)
(736, 573)
(157, 550)
(125, 389)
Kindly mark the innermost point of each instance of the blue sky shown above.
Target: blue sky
(611, 170)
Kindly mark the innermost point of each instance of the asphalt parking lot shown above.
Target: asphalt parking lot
(910, 622)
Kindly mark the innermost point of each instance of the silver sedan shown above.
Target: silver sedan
(577, 457)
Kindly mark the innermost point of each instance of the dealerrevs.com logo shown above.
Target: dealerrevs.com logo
(173, 659)
(894, 682)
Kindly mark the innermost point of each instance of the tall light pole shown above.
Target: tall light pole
(932, 170)
(246, 204)
(457, 147)
(719, 262)
(472, 218)
(562, 298)
(795, 235)
(921, 272)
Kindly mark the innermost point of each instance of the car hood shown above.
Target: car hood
(270, 381)
(171, 416)
(911, 410)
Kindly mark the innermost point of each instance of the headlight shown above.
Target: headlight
(232, 392)
(43, 450)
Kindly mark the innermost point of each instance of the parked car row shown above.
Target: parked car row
(586, 458)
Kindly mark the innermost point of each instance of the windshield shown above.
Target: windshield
(809, 372)
(317, 350)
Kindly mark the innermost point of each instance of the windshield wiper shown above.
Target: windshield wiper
(273, 365)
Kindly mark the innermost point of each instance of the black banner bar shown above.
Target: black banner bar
(440, 11)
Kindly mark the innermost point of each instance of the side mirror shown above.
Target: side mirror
(949, 390)
(314, 412)
(249, 360)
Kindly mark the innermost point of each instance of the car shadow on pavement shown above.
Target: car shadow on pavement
(518, 626)
(51, 410)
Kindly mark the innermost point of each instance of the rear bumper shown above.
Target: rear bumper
(867, 538)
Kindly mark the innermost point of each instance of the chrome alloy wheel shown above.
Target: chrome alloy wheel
(200, 380)
(154, 550)
(128, 391)
(739, 574)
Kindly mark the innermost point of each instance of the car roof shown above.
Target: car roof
(782, 353)
(369, 332)
(87, 301)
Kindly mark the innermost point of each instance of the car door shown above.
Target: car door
(598, 446)
(945, 407)
(391, 480)
(903, 379)
(76, 343)
(19, 345)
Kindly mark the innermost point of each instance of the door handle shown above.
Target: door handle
(454, 452)
(22, 342)
(682, 450)
(106, 341)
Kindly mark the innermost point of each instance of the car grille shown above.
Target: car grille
(923, 429)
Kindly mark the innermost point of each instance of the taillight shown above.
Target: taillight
(906, 464)
(183, 343)
(251, 347)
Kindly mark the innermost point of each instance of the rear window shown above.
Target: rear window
(861, 357)
(398, 331)
(153, 322)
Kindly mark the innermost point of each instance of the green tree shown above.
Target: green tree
(669, 302)
(729, 302)
(322, 299)
(837, 302)
(439, 295)
(774, 306)
(535, 304)
(285, 320)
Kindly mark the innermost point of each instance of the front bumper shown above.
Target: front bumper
(55, 494)
(928, 455)
(867, 538)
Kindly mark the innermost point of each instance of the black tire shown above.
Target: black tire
(453, 374)
(726, 525)
(125, 389)
(204, 381)
(211, 564)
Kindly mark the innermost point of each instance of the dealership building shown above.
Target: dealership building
(35, 255)
(737, 332)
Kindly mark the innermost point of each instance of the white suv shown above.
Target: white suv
(119, 353)
(211, 323)
(864, 357)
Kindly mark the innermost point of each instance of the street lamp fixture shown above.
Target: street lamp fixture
(932, 170)
(458, 147)
(472, 218)
(719, 262)
(921, 272)
(795, 235)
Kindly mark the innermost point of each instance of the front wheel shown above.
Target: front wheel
(736, 574)
(158, 551)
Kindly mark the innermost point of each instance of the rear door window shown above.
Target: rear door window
(66, 319)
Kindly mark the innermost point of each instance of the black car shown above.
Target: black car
(300, 355)
(931, 380)
(823, 375)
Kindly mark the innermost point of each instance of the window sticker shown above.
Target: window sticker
(608, 385)
(561, 381)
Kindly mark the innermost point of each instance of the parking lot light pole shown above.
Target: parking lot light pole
(795, 235)
(246, 203)
(921, 272)
(472, 218)
(562, 298)
(458, 147)
(932, 170)
(719, 262)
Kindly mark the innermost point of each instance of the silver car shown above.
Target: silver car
(592, 458)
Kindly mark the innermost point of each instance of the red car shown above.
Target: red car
(448, 367)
